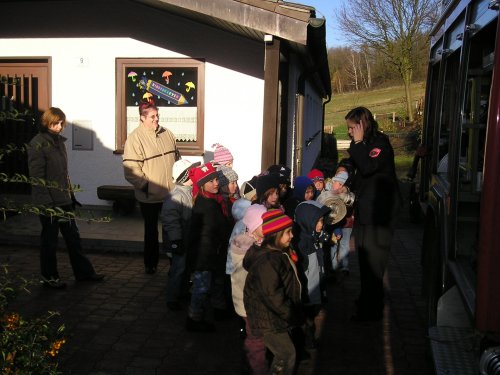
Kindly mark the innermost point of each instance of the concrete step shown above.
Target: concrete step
(101, 230)
(453, 350)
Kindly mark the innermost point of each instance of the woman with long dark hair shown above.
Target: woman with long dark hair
(377, 202)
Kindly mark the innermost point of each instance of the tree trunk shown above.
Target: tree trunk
(337, 82)
(362, 77)
(368, 71)
(409, 99)
(355, 71)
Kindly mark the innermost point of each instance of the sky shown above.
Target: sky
(327, 9)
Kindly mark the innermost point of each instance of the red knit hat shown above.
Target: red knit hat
(222, 155)
(274, 221)
(201, 175)
(316, 174)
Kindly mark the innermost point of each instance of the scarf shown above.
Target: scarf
(219, 199)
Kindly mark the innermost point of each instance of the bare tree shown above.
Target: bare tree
(352, 71)
(368, 70)
(362, 72)
(390, 27)
(337, 81)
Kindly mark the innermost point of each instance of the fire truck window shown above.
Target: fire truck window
(432, 111)
(443, 165)
(475, 110)
(472, 144)
(448, 111)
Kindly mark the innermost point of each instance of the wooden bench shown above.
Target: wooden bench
(343, 144)
(123, 197)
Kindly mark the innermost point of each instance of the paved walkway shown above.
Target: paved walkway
(122, 326)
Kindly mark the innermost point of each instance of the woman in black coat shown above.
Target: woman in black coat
(377, 202)
(48, 162)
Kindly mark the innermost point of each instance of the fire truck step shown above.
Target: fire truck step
(453, 350)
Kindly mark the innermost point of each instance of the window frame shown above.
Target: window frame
(194, 148)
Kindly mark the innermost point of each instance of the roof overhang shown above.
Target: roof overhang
(294, 23)
(250, 18)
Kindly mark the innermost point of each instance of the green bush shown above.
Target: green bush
(27, 346)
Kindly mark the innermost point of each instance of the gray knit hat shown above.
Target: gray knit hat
(226, 175)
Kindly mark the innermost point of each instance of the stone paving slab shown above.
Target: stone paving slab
(122, 326)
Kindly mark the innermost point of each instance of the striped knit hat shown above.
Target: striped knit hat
(222, 155)
(274, 221)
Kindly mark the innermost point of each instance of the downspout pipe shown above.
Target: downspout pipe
(299, 124)
(317, 44)
(323, 123)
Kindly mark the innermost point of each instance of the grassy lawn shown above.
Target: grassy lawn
(403, 164)
(380, 101)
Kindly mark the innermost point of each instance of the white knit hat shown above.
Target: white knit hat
(180, 170)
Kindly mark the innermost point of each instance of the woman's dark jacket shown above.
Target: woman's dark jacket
(47, 160)
(272, 293)
(209, 236)
(377, 191)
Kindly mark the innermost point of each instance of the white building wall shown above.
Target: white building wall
(83, 86)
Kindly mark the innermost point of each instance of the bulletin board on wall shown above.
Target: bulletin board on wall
(175, 86)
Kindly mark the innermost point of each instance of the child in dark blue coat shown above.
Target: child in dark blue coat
(303, 190)
(310, 217)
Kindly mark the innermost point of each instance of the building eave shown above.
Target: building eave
(251, 18)
(293, 23)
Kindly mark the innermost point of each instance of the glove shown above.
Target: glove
(175, 247)
(348, 198)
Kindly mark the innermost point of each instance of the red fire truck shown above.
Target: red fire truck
(459, 189)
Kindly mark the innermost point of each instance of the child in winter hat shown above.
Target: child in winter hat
(282, 171)
(318, 178)
(272, 273)
(180, 170)
(201, 175)
(222, 155)
(274, 221)
(303, 190)
(228, 182)
(238, 210)
(253, 220)
(338, 181)
(176, 217)
(249, 189)
(268, 190)
(210, 231)
(228, 186)
(284, 175)
(255, 348)
(312, 239)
